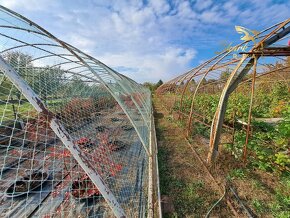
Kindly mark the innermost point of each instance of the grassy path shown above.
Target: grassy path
(186, 190)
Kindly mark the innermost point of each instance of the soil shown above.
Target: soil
(101, 128)
(28, 183)
(86, 143)
(115, 119)
(127, 128)
(83, 189)
(183, 180)
(117, 145)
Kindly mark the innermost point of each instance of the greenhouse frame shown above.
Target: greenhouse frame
(77, 137)
(210, 97)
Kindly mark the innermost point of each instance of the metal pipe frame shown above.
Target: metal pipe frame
(64, 136)
(232, 83)
(101, 72)
(265, 38)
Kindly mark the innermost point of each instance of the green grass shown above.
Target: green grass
(259, 206)
(279, 205)
(6, 111)
(238, 173)
(187, 197)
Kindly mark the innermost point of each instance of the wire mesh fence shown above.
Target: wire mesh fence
(75, 134)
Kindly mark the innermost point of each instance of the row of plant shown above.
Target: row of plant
(267, 103)
(268, 144)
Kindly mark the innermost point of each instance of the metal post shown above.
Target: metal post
(65, 137)
(150, 175)
(245, 150)
(156, 166)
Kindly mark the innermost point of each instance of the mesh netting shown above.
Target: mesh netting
(106, 115)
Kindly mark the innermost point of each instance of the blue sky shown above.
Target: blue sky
(150, 40)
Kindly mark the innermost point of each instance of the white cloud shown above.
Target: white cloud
(31, 5)
(148, 41)
(152, 67)
(160, 6)
(203, 4)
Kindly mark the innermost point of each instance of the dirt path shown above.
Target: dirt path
(186, 189)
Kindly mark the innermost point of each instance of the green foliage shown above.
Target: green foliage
(268, 144)
(153, 86)
(199, 128)
(188, 198)
(280, 91)
(280, 207)
(282, 159)
(224, 75)
(259, 206)
(238, 173)
(159, 83)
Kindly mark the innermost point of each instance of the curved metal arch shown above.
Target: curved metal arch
(198, 69)
(198, 85)
(24, 29)
(264, 38)
(76, 52)
(204, 73)
(27, 44)
(47, 56)
(98, 75)
(232, 83)
(67, 62)
(113, 74)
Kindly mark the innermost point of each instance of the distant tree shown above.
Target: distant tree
(5, 86)
(22, 64)
(153, 86)
(159, 83)
(77, 86)
(47, 81)
(150, 86)
(204, 81)
(224, 75)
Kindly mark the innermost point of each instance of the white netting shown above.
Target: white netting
(106, 114)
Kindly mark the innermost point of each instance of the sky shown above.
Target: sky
(151, 39)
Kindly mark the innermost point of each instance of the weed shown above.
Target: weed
(257, 184)
(238, 173)
(259, 206)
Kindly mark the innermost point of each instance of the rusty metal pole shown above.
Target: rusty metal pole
(234, 122)
(218, 119)
(250, 110)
